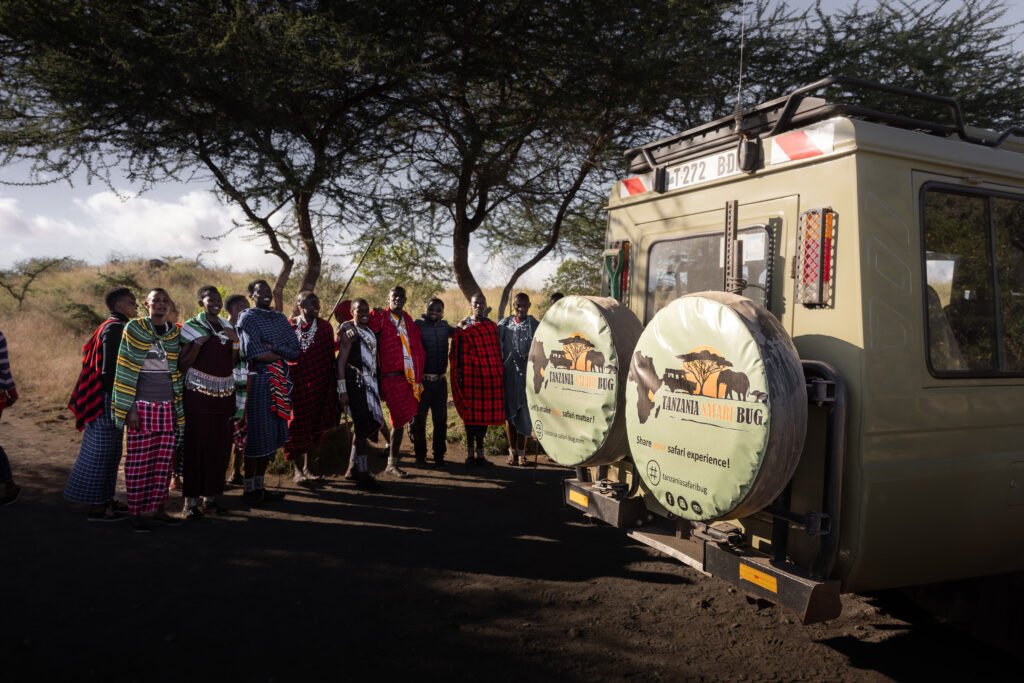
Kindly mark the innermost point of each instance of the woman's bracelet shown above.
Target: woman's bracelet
(341, 387)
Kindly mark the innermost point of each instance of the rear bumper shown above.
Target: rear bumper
(753, 572)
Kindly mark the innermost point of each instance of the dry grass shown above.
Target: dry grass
(45, 341)
(45, 357)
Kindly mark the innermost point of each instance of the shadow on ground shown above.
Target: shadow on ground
(461, 574)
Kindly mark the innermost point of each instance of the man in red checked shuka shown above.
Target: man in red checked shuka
(400, 350)
(476, 371)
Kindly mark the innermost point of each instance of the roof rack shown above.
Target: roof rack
(799, 108)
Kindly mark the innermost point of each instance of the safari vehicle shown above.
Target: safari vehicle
(886, 241)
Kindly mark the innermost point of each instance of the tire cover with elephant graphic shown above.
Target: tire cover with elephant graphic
(716, 407)
(575, 379)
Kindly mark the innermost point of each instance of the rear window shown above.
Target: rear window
(695, 264)
(974, 282)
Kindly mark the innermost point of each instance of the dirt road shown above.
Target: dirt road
(478, 575)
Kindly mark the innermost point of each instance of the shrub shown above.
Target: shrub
(81, 317)
(120, 278)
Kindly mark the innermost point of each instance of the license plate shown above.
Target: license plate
(703, 170)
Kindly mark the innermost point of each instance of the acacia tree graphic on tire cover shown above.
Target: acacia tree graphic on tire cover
(575, 348)
(703, 364)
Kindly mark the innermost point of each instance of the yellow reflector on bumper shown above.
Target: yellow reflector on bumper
(759, 578)
(579, 499)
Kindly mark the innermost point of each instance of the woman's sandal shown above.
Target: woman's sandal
(164, 518)
(104, 514)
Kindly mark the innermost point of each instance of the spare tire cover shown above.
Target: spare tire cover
(575, 379)
(716, 407)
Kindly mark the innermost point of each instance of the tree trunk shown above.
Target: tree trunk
(460, 264)
(309, 245)
(556, 229)
(282, 280)
(463, 230)
(261, 223)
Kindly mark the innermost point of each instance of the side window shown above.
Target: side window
(974, 271)
(695, 264)
(1008, 221)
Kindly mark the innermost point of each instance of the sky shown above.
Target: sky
(91, 222)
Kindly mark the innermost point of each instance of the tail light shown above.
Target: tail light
(816, 258)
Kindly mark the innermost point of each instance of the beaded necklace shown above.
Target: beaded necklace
(305, 338)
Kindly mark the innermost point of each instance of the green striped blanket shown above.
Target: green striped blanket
(139, 336)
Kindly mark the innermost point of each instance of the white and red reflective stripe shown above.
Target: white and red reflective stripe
(637, 184)
(803, 144)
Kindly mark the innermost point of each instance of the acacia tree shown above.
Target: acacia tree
(416, 266)
(277, 103)
(574, 276)
(575, 347)
(19, 280)
(528, 100)
(961, 49)
(702, 364)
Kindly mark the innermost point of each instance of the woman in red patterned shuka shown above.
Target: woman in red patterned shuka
(401, 369)
(476, 372)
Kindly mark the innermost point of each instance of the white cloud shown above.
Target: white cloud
(173, 221)
(91, 227)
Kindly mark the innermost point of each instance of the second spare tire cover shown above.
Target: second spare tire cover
(716, 407)
(575, 379)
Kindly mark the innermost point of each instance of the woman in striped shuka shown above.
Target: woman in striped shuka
(147, 400)
(208, 356)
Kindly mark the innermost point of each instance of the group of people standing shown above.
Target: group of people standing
(387, 358)
(198, 391)
(488, 362)
(254, 381)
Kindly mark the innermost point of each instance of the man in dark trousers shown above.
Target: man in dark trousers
(435, 332)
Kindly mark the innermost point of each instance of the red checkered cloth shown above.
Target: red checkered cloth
(314, 392)
(280, 390)
(86, 401)
(147, 463)
(395, 388)
(476, 372)
(238, 434)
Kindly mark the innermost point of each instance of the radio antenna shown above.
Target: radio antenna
(739, 88)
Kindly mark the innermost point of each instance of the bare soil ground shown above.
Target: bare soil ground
(456, 574)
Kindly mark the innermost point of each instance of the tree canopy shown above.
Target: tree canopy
(277, 104)
(492, 126)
